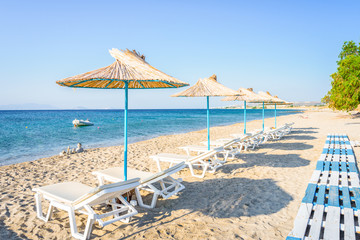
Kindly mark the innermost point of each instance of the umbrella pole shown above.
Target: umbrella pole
(263, 113)
(275, 115)
(244, 117)
(125, 130)
(208, 121)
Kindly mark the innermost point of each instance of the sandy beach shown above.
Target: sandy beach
(254, 196)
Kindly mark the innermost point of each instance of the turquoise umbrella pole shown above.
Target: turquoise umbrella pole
(244, 117)
(125, 130)
(275, 115)
(263, 113)
(208, 121)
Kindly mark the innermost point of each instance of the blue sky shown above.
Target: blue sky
(286, 47)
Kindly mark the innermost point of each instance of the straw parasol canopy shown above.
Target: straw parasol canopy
(207, 87)
(271, 98)
(247, 94)
(283, 101)
(129, 67)
(129, 71)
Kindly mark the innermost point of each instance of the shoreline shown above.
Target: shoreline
(254, 196)
(110, 143)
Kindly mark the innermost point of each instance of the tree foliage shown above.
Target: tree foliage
(345, 84)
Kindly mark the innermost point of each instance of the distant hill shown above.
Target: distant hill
(310, 103)
(27, 106)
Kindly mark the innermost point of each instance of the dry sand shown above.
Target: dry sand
(254, 196)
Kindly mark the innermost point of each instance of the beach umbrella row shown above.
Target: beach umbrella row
(281, 102)
(271, 100)
(248, 95)
(129, 71)
(207, 87)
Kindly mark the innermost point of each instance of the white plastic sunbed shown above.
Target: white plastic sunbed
(278, 133)
(233, 146)
(74, 196)
(254, 139)
(207, 161)
(149, 181)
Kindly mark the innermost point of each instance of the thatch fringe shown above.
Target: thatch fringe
(129, 67)
(207, 87)
(247, 95)
(271, 98)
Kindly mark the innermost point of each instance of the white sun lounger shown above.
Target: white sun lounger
(234, 146)
(148, 181)
(74, 196)
(207, 161)
(254, 139)
(278, 133)
(198, 149)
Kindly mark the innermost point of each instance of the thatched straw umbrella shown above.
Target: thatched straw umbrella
(274, 100)
(129, 71)
(247, 96)
(207, 87)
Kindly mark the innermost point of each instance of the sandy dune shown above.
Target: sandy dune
(255, 196)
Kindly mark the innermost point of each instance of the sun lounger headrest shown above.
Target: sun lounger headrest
(175, 168)
(98, 189)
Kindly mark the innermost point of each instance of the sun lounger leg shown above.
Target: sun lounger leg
(39, 207)
(154, 199)
(141, 202)
(204, 166)
(131, 209)
(139, 198)
(158, 164)
(49, 213)
(101, 180)
(88, 228)
(39, 212)
(73, 227)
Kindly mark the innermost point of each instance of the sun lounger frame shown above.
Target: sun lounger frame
(169, 186)
(103, 195)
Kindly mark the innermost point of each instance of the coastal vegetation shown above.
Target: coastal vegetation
(345, 85)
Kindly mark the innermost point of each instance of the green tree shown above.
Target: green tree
(345, 84)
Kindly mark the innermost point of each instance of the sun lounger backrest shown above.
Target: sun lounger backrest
(256, 134)
(237, 140)
(106, 192)
(207, 154)
(165, 172)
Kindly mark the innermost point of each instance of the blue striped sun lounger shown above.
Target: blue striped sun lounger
(330, 207)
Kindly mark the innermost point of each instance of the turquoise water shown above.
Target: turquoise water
(28, 135)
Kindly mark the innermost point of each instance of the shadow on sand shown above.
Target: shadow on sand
(299, 137)
(287, 146)
(303, 131)
(268, 160)
(6, 233)
(218, 198)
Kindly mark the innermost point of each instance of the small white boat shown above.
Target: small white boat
(79, 123)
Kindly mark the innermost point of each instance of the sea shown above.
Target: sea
(27, 135)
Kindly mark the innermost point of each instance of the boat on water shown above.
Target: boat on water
(80, 123)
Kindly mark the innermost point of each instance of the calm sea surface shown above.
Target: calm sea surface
(28, 135)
